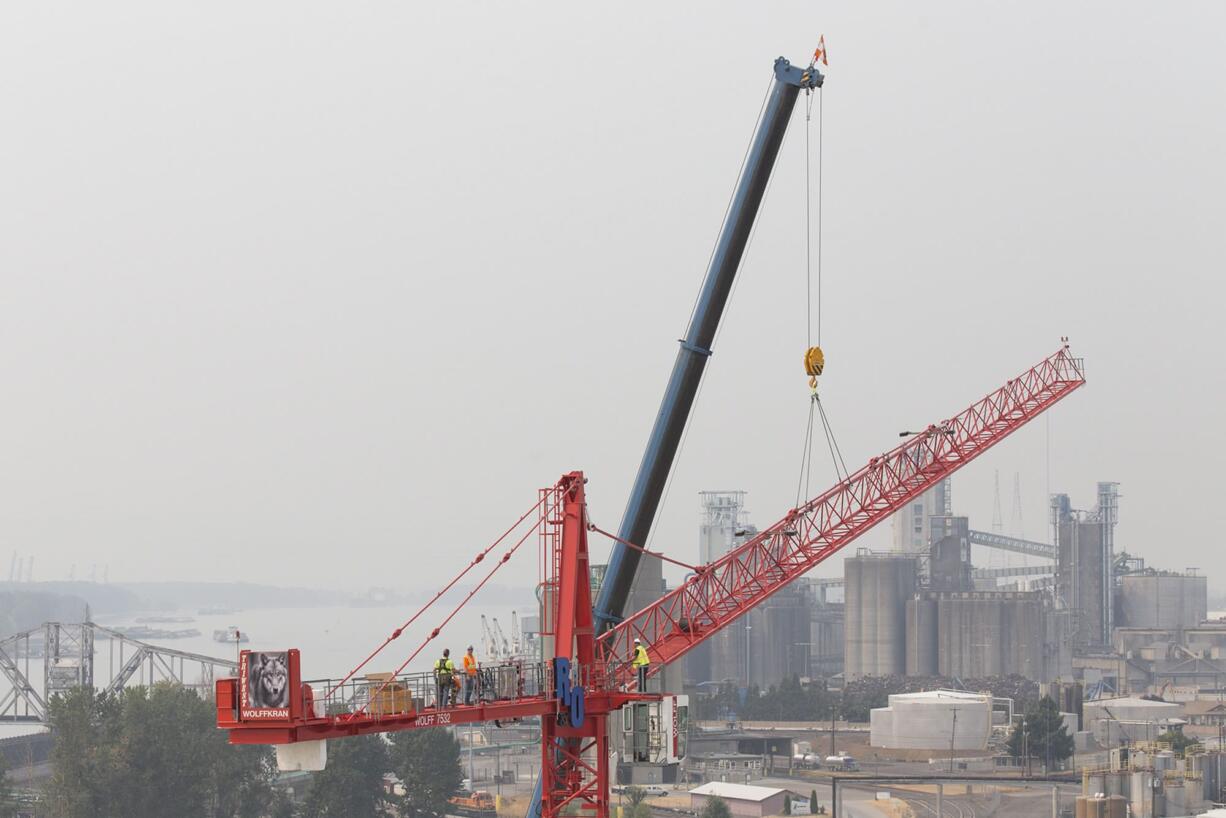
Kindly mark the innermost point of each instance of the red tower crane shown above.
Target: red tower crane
(588, 676)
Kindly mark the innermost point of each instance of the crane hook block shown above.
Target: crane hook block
(815, 362)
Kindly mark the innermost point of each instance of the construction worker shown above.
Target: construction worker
(640, 663)
(470, 676)
(444, 674)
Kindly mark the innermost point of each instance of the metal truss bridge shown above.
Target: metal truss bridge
(56, 657)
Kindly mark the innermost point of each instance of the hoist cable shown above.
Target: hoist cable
(835, 452)
(806, 459)
(809, 220)
(808, 227)
(819, 215)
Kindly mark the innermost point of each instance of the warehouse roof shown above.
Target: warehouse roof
(740, 792)
(1129, 701)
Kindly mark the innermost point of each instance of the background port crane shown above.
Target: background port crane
(588, 677)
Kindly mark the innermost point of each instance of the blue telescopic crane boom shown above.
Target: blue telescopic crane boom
(696, 346)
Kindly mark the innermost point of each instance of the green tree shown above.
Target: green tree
(6, 791)
(1042, 735)
(640, 810)
(428, 762)
(133, 753)
(813, 802)
(351, 785)
(715, 808)
(635, 795)
(85, 772)
(283, 807)
(1178, 741)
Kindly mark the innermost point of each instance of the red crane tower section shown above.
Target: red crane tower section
(588, 676)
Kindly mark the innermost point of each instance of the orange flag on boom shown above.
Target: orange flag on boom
(819, 55)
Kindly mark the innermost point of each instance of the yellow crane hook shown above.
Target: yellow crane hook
(815, 362)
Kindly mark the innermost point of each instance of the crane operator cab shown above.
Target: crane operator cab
(655, 733)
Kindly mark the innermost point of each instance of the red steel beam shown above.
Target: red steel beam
(310, 729)
(727, 588)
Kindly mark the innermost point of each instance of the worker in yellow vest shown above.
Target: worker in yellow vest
(444, 673)
(640, 663)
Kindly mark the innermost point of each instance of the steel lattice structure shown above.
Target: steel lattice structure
(575, 763)
(724, 590)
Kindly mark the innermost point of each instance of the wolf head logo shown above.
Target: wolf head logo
(268, 685)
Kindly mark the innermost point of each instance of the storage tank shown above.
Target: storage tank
(1141, 792)
(922, 635)
(1164, 600)
(853, 622)
(891, 618)
(877, 590)
(934, 720)
(1176, 798)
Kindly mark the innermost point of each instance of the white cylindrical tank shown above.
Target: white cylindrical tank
(934, 720)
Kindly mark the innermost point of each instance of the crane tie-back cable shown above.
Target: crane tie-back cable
(481, 555)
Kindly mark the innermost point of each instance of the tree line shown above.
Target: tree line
(156, 751)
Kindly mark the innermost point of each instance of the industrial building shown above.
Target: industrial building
(913, 525)
(737, 755)
(1079, 611)
(1166, 600)
(1152, 780)
(742, 800)
(1083, 611)
(799, 630)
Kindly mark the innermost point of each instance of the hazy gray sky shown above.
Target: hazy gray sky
(322, 293)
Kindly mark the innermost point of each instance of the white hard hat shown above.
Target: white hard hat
(636, 641)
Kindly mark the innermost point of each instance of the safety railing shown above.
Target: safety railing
(382, 694)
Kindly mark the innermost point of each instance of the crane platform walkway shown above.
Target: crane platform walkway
(379, 702)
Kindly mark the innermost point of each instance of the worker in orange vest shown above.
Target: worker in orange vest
(470, 676)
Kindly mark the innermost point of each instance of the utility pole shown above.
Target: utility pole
(953, 730)
(833, 711)
(748, 628)
(472, 782)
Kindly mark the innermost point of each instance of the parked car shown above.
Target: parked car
(650, 790)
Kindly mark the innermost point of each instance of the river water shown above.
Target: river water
(332, 640)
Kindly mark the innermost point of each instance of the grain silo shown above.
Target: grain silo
(1163, 600)
(877, 589)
